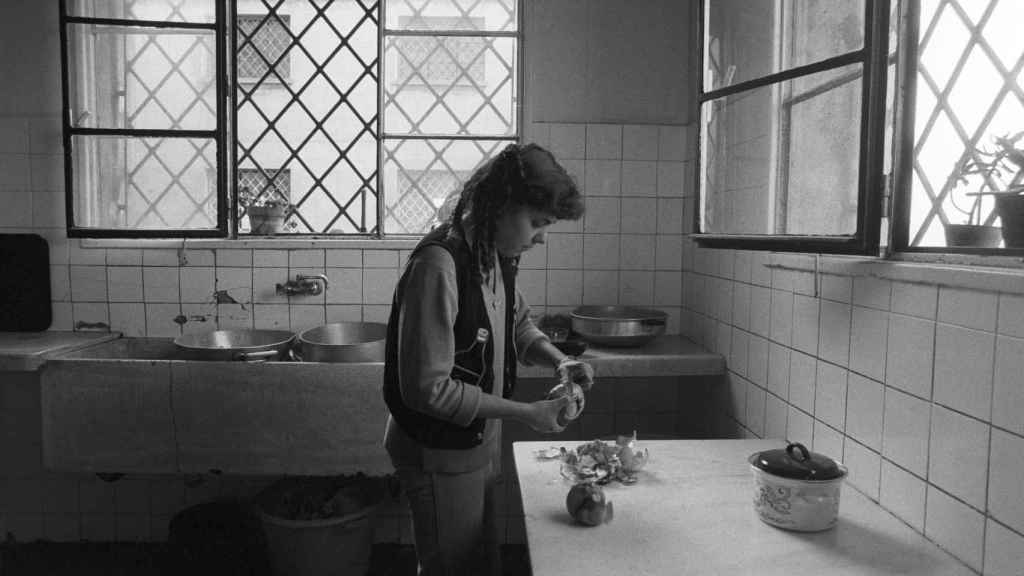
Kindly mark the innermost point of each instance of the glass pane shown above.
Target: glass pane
(314, 115)
(966, 118)
(142, 78)
(746, 40)
(195, 11)
(783, 159)
(483, 15)
(145, 183)
(450, 85)
(420, 174)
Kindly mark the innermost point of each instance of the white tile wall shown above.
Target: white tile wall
(958, 455)
(903, 494)
(1005, 489)
(864, 467)
(955, 526)
(915, 386)
(963, 369)
(1008, 394)
(1004, 550)
(865, 402)
(911, 354)
(905, 431)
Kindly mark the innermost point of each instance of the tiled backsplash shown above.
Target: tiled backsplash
(916, 387)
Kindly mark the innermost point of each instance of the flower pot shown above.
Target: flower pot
(973, 235)
(1010, 208)
(266, 219)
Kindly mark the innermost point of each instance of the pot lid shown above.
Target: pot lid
(798, 463)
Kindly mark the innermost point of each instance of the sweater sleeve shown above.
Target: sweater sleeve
(426, 345)
(527, 333)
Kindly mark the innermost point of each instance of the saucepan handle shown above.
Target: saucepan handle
(261, 356)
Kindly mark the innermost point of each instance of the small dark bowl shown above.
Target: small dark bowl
(572, 346)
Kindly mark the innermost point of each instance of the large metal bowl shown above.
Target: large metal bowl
(618, 326)
(229, 345)
(343, 342)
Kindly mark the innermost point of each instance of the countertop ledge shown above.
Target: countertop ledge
(691, 512)
(670, 355)
(27, 351)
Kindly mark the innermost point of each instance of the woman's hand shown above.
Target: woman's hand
(544, 414)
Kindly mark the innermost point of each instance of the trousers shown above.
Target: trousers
(453, 521)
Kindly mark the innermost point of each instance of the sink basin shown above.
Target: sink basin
(342, 342)
(130, 349)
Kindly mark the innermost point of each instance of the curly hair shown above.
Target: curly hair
(519, 176)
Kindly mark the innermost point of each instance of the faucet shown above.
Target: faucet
(312, 285)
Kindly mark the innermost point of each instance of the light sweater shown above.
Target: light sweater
(426, 352)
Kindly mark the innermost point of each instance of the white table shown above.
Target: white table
(691, 513)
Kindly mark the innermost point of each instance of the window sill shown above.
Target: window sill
(985, 273)
(397, 243)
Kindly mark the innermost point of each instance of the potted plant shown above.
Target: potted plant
(1001, 174)
(267, 211)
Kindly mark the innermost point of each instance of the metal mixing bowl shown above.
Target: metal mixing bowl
(620, 326)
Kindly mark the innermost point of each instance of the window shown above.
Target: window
(963, 165)
(938, 129)
(423, 60)
(452, 100)
(791, 100)
(262, 42)
(294, 90)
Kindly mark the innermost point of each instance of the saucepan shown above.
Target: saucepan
(797, 489)
(239, 344)
(621, 326)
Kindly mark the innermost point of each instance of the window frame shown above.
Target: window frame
(226, 82)
(873, 56)
(218, 134)
(904, 142)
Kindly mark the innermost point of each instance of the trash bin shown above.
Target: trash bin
(332, 546)
(319, 526)
(220, 537)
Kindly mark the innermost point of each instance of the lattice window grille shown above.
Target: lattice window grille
(441, 61)
(257, 183)
(935, 182)
(317, 154)
(422, 193)
(263, 39)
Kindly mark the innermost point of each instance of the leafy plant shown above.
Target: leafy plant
(268, 198)
(1000, 170)
(321, 497)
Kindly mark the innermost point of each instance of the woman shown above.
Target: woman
(457, 328)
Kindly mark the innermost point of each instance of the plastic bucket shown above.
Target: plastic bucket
(331, 546)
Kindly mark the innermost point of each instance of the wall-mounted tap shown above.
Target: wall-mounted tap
(312, 285)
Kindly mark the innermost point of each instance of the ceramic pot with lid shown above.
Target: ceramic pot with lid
(797, 489)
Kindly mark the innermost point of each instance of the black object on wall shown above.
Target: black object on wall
(24, 283)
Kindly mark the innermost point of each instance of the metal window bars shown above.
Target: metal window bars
(299, 134)
(268, 37)
(142, 139)
(451, 102)
(967, 71)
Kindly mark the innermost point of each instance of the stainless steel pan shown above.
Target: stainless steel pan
(231, 345)
(343, 342)
(618, 325)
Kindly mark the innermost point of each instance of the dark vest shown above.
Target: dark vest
(472, 315)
